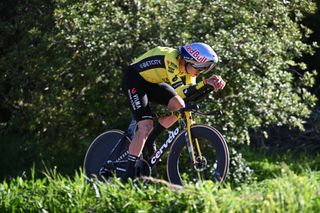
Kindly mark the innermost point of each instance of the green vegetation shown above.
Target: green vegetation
(278, 184)
(61, 63)
(60, 69)
(268, 165)
(287, 192)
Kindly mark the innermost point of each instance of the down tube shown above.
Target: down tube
(158, 154)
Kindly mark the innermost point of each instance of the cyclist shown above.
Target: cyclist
(164, 76)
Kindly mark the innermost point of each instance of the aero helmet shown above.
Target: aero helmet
(200, 55)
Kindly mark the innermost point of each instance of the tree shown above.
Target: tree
(256, 42)
(61, 63)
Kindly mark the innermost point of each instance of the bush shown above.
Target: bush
(239, 170)
(60, 71)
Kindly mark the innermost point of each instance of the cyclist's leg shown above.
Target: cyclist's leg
(141, 135)
(168, 121)
(163, 94)
(136, 146)
(166, 95)
(175, 103)
(135, 88)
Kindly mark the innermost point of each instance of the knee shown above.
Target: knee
(175, 103)
(144, 128)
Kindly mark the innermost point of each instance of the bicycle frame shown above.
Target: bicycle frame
(185, 115)
(185, 121)
(154, 159)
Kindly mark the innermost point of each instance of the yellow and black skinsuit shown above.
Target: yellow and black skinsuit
(155, 76)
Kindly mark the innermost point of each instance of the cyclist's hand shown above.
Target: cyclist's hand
(216, 82)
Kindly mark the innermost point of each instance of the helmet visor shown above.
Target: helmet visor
(202, 67)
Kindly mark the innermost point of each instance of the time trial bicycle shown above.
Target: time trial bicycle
(197, 152)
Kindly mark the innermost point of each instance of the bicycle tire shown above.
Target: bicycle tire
(207, 136)
(100, 150)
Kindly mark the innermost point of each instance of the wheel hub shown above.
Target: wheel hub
(201, 164)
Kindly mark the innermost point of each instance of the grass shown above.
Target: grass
(287, 183)
(268, 165)
(288, 192)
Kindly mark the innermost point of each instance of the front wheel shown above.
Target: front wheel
(212, 162)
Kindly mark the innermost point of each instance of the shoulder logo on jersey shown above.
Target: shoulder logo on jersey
(171, 66)
(156, 61)
(150, 63)
(175, 78)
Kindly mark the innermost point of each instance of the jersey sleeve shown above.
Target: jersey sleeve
(184, 89)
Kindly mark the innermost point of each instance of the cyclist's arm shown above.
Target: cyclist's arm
(193, 91)
(185, 91)
(190, 80)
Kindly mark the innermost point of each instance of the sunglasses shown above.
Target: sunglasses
(203, 67)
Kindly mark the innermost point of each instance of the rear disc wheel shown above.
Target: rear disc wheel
(99, 153)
